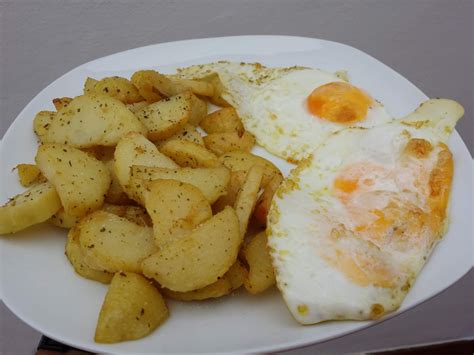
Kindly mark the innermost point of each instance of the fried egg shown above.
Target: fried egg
(292, 110)
(351, 227)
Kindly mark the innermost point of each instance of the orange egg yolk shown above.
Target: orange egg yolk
(339, 102)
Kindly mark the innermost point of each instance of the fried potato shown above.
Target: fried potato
(92, 119)
(237, 161)
(29, 174)
(189, 154)
(76, 257)
(221, 143)
(232, 280)
(61, 102)
(152, 85)
(42, 123)
(175, 208)
(198, 110)
(137, 106)
(223, 121)
(115, 194)
(187, 133)
(119, 88)
(212, 182)
(135, 149)
(135, 214)
(236, 181)
(132, 309)
(247, 197)
(166, 117)
(198, 87)
(33, 206)
(112, 243)
(89, 85)
(261, 275)
(64, 220)
(80, 180)
(216, 98)
(265, 199)
(199, 258)
(100, 152)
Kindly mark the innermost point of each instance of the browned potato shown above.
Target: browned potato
(175, 208)
(119, 88)
(247, 197)
(89, 85)
(132, 309)
(236, 181)
(261, 275)
(135, 149)
(61, 102)
(198, 87)
(137, 106)
(189, 154)
(166, 117)
(42, 123)
(29, 174)
(76, 257)
(80, 180)
(223, 121)
(112, 243)
(100, 152)
(152, 85)
(199, 258)
(219, 89)
(243, 161)
(265, 199)
(187, 133)
(198, 110)
(33, 206)
(115, 194)
(64, 220)
(232, 279)
(212, 182)
(90, 120)
(135, 214)
(221, 143)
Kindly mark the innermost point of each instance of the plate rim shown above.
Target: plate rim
(284, 347)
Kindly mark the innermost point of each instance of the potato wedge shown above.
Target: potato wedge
(236, 181)
(135, 214)
(223, 121)
(115, 194)
(76, 257)
(100, 152)
(166, 117)
(187, 133)
(261, 275)
(265, 199)
(119, 88)
(132, 309)
(42, 123)
(80, 180)
(175, 208)
(135, 149)
(29, 174)
(243, 161)
(216, 98)
(212, 182)
(64, 220)
(197, 87)
(137, 106)
(89, 85)
(189, 154)
(33, 206)
(247, 197)
(61, 102)
(199, 258)
(152, 85)
(198, 110)
(232, 279)
(92, 119)
(112, 243)
(221, 143)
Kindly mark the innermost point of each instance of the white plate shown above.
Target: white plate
(41, 288)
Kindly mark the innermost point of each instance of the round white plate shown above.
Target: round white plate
(41, 288)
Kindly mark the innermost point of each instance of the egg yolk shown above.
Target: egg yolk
(339, 102)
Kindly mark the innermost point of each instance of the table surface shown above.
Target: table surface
(430, 42)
